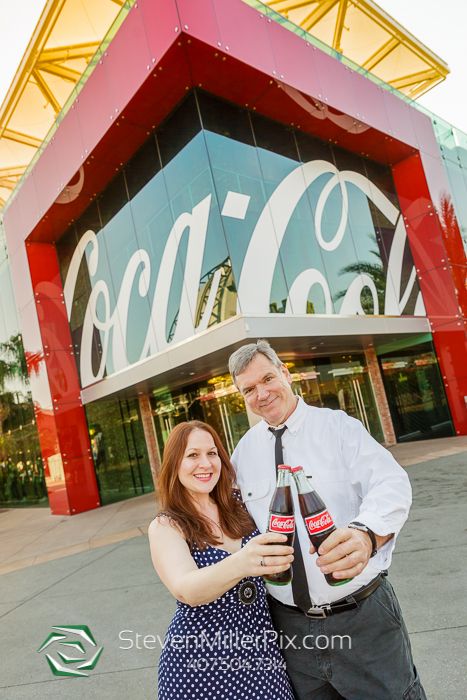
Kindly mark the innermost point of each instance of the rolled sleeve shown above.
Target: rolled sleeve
(381, 483)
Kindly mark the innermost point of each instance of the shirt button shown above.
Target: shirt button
(250, 494)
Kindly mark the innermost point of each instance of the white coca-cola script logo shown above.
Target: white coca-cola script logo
(318, 523)
(111, 320)
(282, 523)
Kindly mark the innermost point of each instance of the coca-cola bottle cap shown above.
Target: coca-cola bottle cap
(295, 469)
(284, 466)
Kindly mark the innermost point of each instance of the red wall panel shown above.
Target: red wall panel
(426, 242)
(244, 34)
(95, 108)
(370, 102)
(294, 61)
(196, 19)
(69, 427)
(68, 147)
(125, 68)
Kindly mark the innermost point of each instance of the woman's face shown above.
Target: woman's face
(200, 467)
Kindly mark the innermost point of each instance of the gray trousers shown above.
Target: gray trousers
(363, 654)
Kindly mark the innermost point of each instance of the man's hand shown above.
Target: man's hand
(346, 552)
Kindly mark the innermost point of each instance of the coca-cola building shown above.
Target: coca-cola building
(207, 187)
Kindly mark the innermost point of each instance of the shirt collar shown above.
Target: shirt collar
(293, 422)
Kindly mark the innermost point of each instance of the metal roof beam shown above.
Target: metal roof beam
(21, 138)
(324, 7)
(289, 6)
(396, 30)
(68, 53)
(68, 74)
(12, 172)
(381, 53)
(423, 88)
(8, 184)
(414, 78)
(336, 42)
(41, 35)
(46, 91)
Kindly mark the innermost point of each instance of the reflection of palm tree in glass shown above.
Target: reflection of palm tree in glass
(375, 270)
(14, 365)
(448, 221)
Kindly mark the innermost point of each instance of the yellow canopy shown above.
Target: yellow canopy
(371, 38)
(66, 37)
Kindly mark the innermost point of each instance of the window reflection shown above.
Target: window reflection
(22, 474)
(338, 382)
(215, 401)
(416, 397)
(119, 450)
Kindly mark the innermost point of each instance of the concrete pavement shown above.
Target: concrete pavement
(112, 587)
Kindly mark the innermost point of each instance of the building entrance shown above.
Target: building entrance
(215, 401)
(416, 396)
(338, 382)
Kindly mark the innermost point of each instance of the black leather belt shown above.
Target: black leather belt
(342, 605)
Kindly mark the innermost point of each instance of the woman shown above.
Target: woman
(207, 551)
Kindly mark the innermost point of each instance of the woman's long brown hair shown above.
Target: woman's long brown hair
(176, 502)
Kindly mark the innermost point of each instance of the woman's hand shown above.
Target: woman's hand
(275, 557)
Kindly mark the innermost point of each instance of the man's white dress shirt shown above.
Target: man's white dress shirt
(356, 477)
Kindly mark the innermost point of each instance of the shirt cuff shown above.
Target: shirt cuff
(382, 560)
(377, 524)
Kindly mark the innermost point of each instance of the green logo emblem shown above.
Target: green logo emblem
(70, 647)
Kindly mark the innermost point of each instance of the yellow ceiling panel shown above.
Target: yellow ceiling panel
(324, 28)
(361, 36)
(389, 69)
(369, 37)
(66, 37)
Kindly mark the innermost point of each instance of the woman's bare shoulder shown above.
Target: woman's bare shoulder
(165, 522)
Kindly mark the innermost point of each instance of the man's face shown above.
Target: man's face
(267, 391)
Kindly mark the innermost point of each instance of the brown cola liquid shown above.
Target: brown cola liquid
(312, 504)
(281, 505)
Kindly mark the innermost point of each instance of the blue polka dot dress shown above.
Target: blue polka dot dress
(224, 650)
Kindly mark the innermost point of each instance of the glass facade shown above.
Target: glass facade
(338, 382)
(22, 478)
(215, 401)
(415, 392)
(119, 450)
(194, 198)
(453, 146)
(202, 192)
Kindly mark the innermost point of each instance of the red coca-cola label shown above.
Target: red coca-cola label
(281, 523)
(319, 522)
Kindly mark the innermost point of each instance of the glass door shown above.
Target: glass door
(338, 382)
(416, 396)
(215, 401)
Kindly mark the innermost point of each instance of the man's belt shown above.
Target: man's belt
(338, 606)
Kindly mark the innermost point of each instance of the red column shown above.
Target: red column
(441, 266)
(65, 423)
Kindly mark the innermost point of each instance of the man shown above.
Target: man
(344, 642)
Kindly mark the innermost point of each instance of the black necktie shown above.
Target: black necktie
(300, 591)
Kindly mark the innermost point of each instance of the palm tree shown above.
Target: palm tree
(373, 270)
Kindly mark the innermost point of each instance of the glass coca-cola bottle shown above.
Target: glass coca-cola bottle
(282, 519)
(318, 521)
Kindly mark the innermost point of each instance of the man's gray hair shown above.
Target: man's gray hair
(241, 358)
